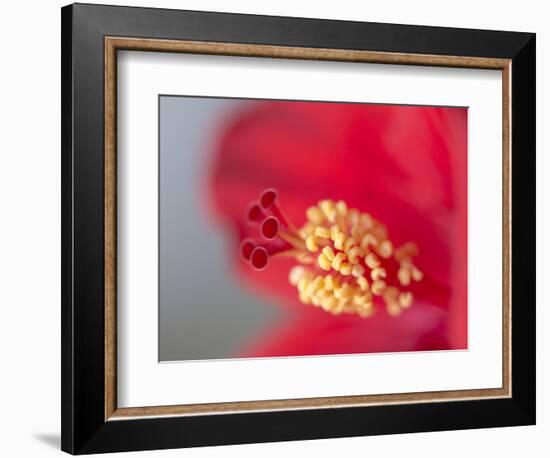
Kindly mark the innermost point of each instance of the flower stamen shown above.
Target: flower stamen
(337, 250)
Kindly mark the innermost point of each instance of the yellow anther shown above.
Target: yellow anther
(353, 254)
(368, 239)
(345, 268)
(337, 261)
(344, 292)
(405, 299)
(378, 287)
(334, 230)
(404, 276)
(349, 243)
(310, 290)
(356, 232)
(311, 243)
(329, 282)
(339, 241)
(357, 271)
(329, 209)
(417, 275)
(315, 215)
(363, 283)
(302, 284)
(341, 208)
(360, 300)
(329, 302)
(380, 232)
(321, 231)
(391, 293)
(306, 230)
(353, 216)
(365, 312)
(393, 308)
(338, 308)
(296, 274)
(328, 252)
(405, 251)
(372, 261)
(323, 261)
(366, 220)
(378, 273)
(385, 249)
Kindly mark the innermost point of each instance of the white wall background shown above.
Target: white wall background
(30, 226)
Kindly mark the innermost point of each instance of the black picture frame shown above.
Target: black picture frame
(84, 427)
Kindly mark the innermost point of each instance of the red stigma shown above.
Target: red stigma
(270, 228)
(259, 258)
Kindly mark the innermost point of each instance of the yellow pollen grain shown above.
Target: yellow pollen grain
(324, 262)
(353, 216)
(404, 276)
(391, 293)
(366, 220)
(315, 215)
(316, 301)
(378, 273)
(329, 282)
(393, 308)
(344, 292)
(372, 261)
(349, 243)
(368, 239)
(323, 232)
(405, 251)
(329, 210)
(417, 275)
(378, 287)
(319, 282)
(363, 283)
(405, 299)
(366, 312)
(385, 249)
(360, 300)
(345, 268)
(357, 271)
(356, 233)
(341, 208)
(339, 241)
(310, 290)
(328, 252)
(296, 274)
(337, 261)
(328, 303)
(302, 284)
(311, 243)
(353, 254)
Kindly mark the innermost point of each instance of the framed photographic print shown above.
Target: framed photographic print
(282, 228)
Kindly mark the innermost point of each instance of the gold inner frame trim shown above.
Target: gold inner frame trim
(114, 44)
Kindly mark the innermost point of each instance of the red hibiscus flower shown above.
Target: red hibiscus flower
(404, 165)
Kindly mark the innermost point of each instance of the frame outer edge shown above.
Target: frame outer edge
(524, 236)
(67, 367)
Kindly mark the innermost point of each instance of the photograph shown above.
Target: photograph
(305, 228)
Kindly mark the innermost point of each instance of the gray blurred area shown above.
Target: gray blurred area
(203, 312)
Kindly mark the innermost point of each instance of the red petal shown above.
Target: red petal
(405, 165)
(317, 333)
